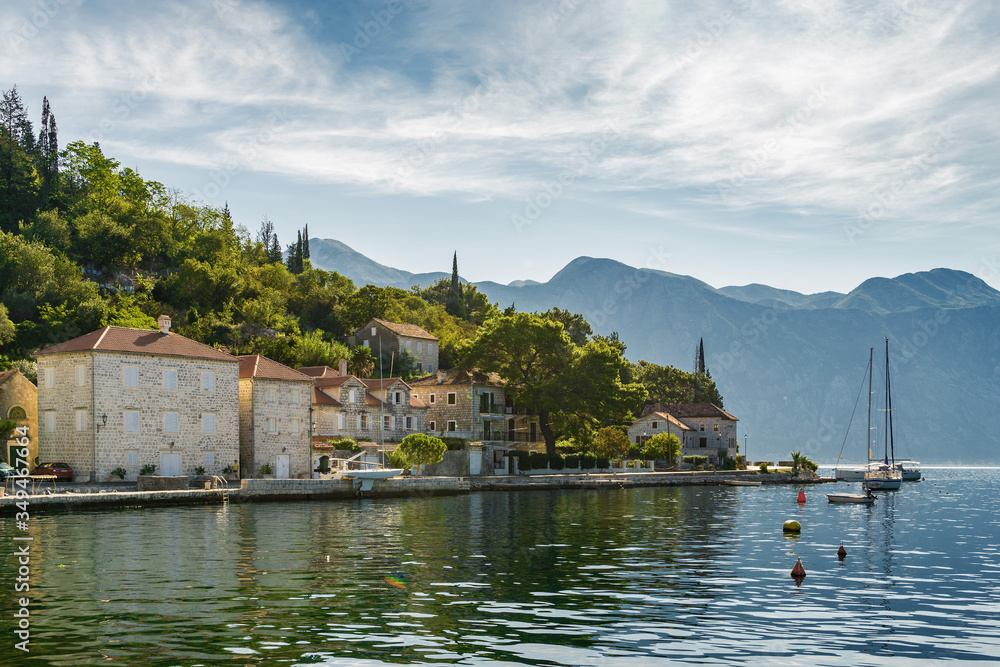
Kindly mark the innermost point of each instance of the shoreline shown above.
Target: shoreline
(285, 490)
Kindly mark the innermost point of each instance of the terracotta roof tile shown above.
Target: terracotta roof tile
(259, 366)
(320, 397)
(689, 410)
(457, 377)
(320, 371)
(138, 341)
(334, 381)
(401, 329)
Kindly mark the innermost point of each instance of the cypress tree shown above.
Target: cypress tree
(305, 242)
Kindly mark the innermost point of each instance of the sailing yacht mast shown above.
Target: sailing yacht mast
(891, 450)
(868, 437)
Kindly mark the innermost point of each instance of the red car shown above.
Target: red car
(62, 471)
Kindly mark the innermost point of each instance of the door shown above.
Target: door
(170, 464)
(281, 467)
(534, 431)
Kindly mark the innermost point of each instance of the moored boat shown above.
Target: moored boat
(741, 482)
(909, 469)
(851, 498)
(884, 475)
(849, 473)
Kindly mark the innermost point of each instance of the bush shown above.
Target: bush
(454, 444)
(557, 462)
(538, 461)
(663, 446)
(572, 461)
(696, 460)
(523, 459)
(587, 461)
(265, 469)
(603, 462)
(228, 470)
(420, 449)
(119, 472)
(200, 470)
(348, 444)
(148, 469)
(763, 468)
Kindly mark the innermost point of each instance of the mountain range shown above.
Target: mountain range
(788, 365)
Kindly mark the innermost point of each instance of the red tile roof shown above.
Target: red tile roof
(400, 329)
(138, 341)
(379, 384)
(320, 397)
(669, 418)
(334, 381)
(457, 377)
(689, 410)
(259, 366)
(320, 371)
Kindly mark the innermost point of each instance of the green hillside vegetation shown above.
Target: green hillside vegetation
(86, 243)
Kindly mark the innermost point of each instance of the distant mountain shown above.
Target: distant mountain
(333, 255)
(790, 365)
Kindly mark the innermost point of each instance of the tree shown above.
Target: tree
(455, 304)
(268, 239)
(610, 442)
(662, 446)
(576, 326)
(7, 329)
(568, 386)
(419, 449)
(667, 384)
(312, 349)
(361, 363)
(699, 358)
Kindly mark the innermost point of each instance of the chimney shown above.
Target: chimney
(441, 376)
(342, 367)
(164, 322)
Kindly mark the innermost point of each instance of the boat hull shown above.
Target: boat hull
(883, 483)
(849, 474)
(850, 498)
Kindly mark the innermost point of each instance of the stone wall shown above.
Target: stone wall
(295, 443)
(19, 392)
(161, 483)
(58, 438)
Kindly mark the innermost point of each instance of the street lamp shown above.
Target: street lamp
(745, 457)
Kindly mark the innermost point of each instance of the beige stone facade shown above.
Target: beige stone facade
(19, 403)
(473, 406)
(275, 424)
(114, 398)
(365, 410)
(704, 429)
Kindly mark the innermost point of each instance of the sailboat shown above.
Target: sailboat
(857, 474)
(884, 475)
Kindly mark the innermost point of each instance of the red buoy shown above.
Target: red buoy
(841, 552)
(802, 497)
(798, 571)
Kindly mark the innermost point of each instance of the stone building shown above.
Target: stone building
(475, 406)
(275, 418)
(397, 337)
(704, 429)
(19, 403)
(371, 410)
(126, 398)
(401, 413)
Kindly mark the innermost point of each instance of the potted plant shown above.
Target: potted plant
(118, 472)
(148, 469)
(229, 472)
(266, 471)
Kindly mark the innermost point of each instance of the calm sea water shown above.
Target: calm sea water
(696, 575)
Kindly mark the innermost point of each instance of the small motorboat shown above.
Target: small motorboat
(851, 498)
(741, 482)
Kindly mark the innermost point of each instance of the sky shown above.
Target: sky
(806, 145)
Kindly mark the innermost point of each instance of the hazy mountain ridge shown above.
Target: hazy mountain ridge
(789, 365)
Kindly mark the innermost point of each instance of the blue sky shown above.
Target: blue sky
(806, 145)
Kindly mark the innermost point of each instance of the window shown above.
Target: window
(420, 367)
(342, 422)
(420, 347)
(17, 412)
(387, 422)
(272, 395)
(272, 424)
(398, 398)
(451, 398)
(295, 398)
(702, 427)
(430, 368)
(81, 419)
(364, 343)
(130, 377)
(293, 427)
(208, 381)
(131, 421)
(50, 378)
(409, 423)
(170, 379)
(171, 422)
(208, 421)
(210, 458)
(132, 457)
(50, 421)
(363, 421)
(408, 344)
(431, 426)
(655, 424)
(81, 375)
(452, 426)
(432, 398)
(373, 331)
(715, 427)
(352, 396)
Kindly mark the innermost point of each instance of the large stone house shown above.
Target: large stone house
(398, 337)
(275, 418)
(401, 413)
(475, 406)
(704, 429)
(125, 398)
(19, 404)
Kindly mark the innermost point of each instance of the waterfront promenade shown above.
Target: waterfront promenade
(277, 490)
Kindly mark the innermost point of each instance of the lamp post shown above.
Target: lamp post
(745, 457)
